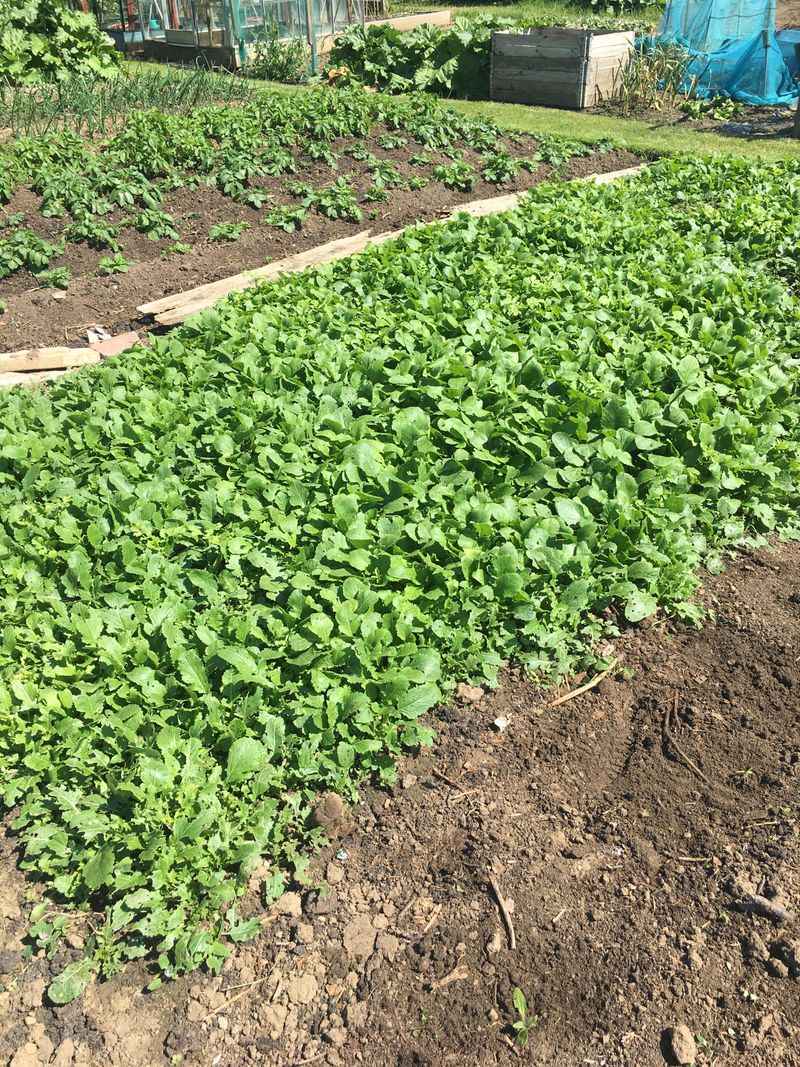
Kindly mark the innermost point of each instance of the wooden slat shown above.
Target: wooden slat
(35, 359)
(615, 175)
(600, 42)
(237, 282)
(538, 49)
(315, 257)
(545, 75)
(493, 206)
(10, 379)
(563, 35)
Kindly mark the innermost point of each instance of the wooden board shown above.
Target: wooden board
(315, 257)
(237, 282)
(36, 359)
(615, 175)
(36, 377)
(493, 206)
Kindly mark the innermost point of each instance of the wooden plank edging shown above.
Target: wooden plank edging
(8, 379)
(40, 359)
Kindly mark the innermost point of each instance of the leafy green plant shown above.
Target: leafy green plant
(417, 182)
(55, 277)
(376, 194)
(458, 175)
(338, 201)
(277, 59)
(48, 39)
(158, 225)
(177, 248)
(116, 264)
(13, 221)
(359, 152)
(237, 569)
(286, 218)
(524, 1022)
(227, 231)
(23, 249)
(391, 141)
(94, 231)
(319, 150)
(385, 173)
(453, 61)
(500, 167)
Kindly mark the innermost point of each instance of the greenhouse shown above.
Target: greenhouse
(221, 31)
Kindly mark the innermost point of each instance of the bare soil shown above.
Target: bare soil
(630, 849)
(37, 316)
(746, 122)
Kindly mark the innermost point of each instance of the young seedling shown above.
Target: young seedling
(227, 231)
(55, 278)
(116, 264)
(525, 1022)
(458, 175)
(177, 248)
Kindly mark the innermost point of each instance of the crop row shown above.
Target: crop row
(123, 184)
(238, 569)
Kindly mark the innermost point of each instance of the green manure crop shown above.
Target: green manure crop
(238, 569)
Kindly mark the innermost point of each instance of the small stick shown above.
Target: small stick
(429, 925)
(768, 909)
(584, 688)
(458, 974)
(239, 996)
(668, 735)
(444, 778)
(512, 940)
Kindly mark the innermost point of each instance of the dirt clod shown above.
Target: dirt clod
(289, 904)
(470, 694)
(681, 1045)
(332, 815)
(359, 938)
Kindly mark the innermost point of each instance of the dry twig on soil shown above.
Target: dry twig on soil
(598, 678)
(670, 718)
(458, 974)
(512, 939)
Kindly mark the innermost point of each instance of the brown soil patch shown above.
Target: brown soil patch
(36, 316)
(625, 870)
(746, 122)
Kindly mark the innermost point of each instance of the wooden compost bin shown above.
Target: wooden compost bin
(557, 67)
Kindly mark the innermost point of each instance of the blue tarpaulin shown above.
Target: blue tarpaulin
(733, 47)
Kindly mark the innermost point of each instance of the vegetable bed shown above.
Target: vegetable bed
(90, 230)
(238, 569)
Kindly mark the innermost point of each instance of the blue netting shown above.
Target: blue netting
(733, 47)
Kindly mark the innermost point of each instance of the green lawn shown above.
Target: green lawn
(639, 136)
